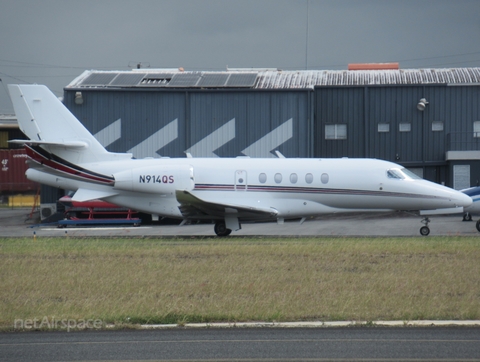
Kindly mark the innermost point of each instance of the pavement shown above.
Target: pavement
(20, 222)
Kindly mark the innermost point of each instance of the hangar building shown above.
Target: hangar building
(425, 119)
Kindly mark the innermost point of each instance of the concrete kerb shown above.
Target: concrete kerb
(420, 323)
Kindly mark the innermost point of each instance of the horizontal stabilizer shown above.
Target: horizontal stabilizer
(70, 144)
(453, 210)
(87, 195)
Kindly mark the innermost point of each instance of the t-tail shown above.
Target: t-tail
(49, 124)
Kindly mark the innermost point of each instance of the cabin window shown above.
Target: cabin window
(335, 131)
(293, 178)
(262, 178)
(324, 178)
(278, 178)
(308, 178)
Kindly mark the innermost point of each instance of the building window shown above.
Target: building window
(384, 127)
(476, 129)
(437, 126)
(335, 131)
(405, 127)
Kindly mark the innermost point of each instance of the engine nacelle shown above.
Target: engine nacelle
(156, 179)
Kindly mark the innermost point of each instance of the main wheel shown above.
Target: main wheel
(221, 229)
(478, 225)
(424, 230)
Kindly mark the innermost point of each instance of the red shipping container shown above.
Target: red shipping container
(12, 172)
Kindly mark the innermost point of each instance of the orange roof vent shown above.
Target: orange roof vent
(372, 66)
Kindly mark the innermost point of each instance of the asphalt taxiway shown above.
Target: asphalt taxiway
(16, 222)
(247, 344)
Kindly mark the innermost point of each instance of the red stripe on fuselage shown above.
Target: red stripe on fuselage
(60, 166)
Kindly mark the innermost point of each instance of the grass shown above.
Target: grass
(129, 281)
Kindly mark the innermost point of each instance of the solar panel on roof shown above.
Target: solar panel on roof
(185, 80)
(99, 79)
(213, 80)
(127, 79)
(241, 80)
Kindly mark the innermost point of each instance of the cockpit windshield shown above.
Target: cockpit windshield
(401, 174)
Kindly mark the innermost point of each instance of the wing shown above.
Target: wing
(193, 207)
(70, 144)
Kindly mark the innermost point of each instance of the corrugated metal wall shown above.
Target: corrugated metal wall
(455, 108)
(261, 122)
(141, 116)
(203, 123)
(340, 106)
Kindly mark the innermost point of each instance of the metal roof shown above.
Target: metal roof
(272, 79)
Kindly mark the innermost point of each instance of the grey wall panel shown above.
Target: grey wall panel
(461, 111)
(396, 106)
(340, 106)
(255, 124)
(143, 116)
(209, 123)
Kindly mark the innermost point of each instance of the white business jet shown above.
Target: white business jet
(229, 191)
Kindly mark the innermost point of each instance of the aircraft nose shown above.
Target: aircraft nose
(462, 200)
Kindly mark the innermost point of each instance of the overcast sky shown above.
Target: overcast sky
(53, 41)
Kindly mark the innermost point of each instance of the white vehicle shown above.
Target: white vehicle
(229, 191)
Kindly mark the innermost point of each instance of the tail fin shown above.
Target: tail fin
(47, 122)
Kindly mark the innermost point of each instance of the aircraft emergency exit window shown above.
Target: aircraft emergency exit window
(262, 178)
(278, 178)
(308, 178)
(293, 178)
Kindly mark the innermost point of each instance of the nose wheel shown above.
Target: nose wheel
(425, 230)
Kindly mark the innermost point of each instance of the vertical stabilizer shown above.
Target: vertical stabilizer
(46, 121)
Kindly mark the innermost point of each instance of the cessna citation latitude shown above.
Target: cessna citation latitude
(228, 191)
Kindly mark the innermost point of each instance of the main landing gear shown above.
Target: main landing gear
(425, 230)
(221, 229)
(468, 217)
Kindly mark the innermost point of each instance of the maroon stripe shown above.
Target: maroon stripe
(60, 167)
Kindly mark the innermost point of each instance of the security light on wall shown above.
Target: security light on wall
(422, 104)
(78, 98)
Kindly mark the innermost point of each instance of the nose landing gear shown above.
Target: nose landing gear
(425, 230)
